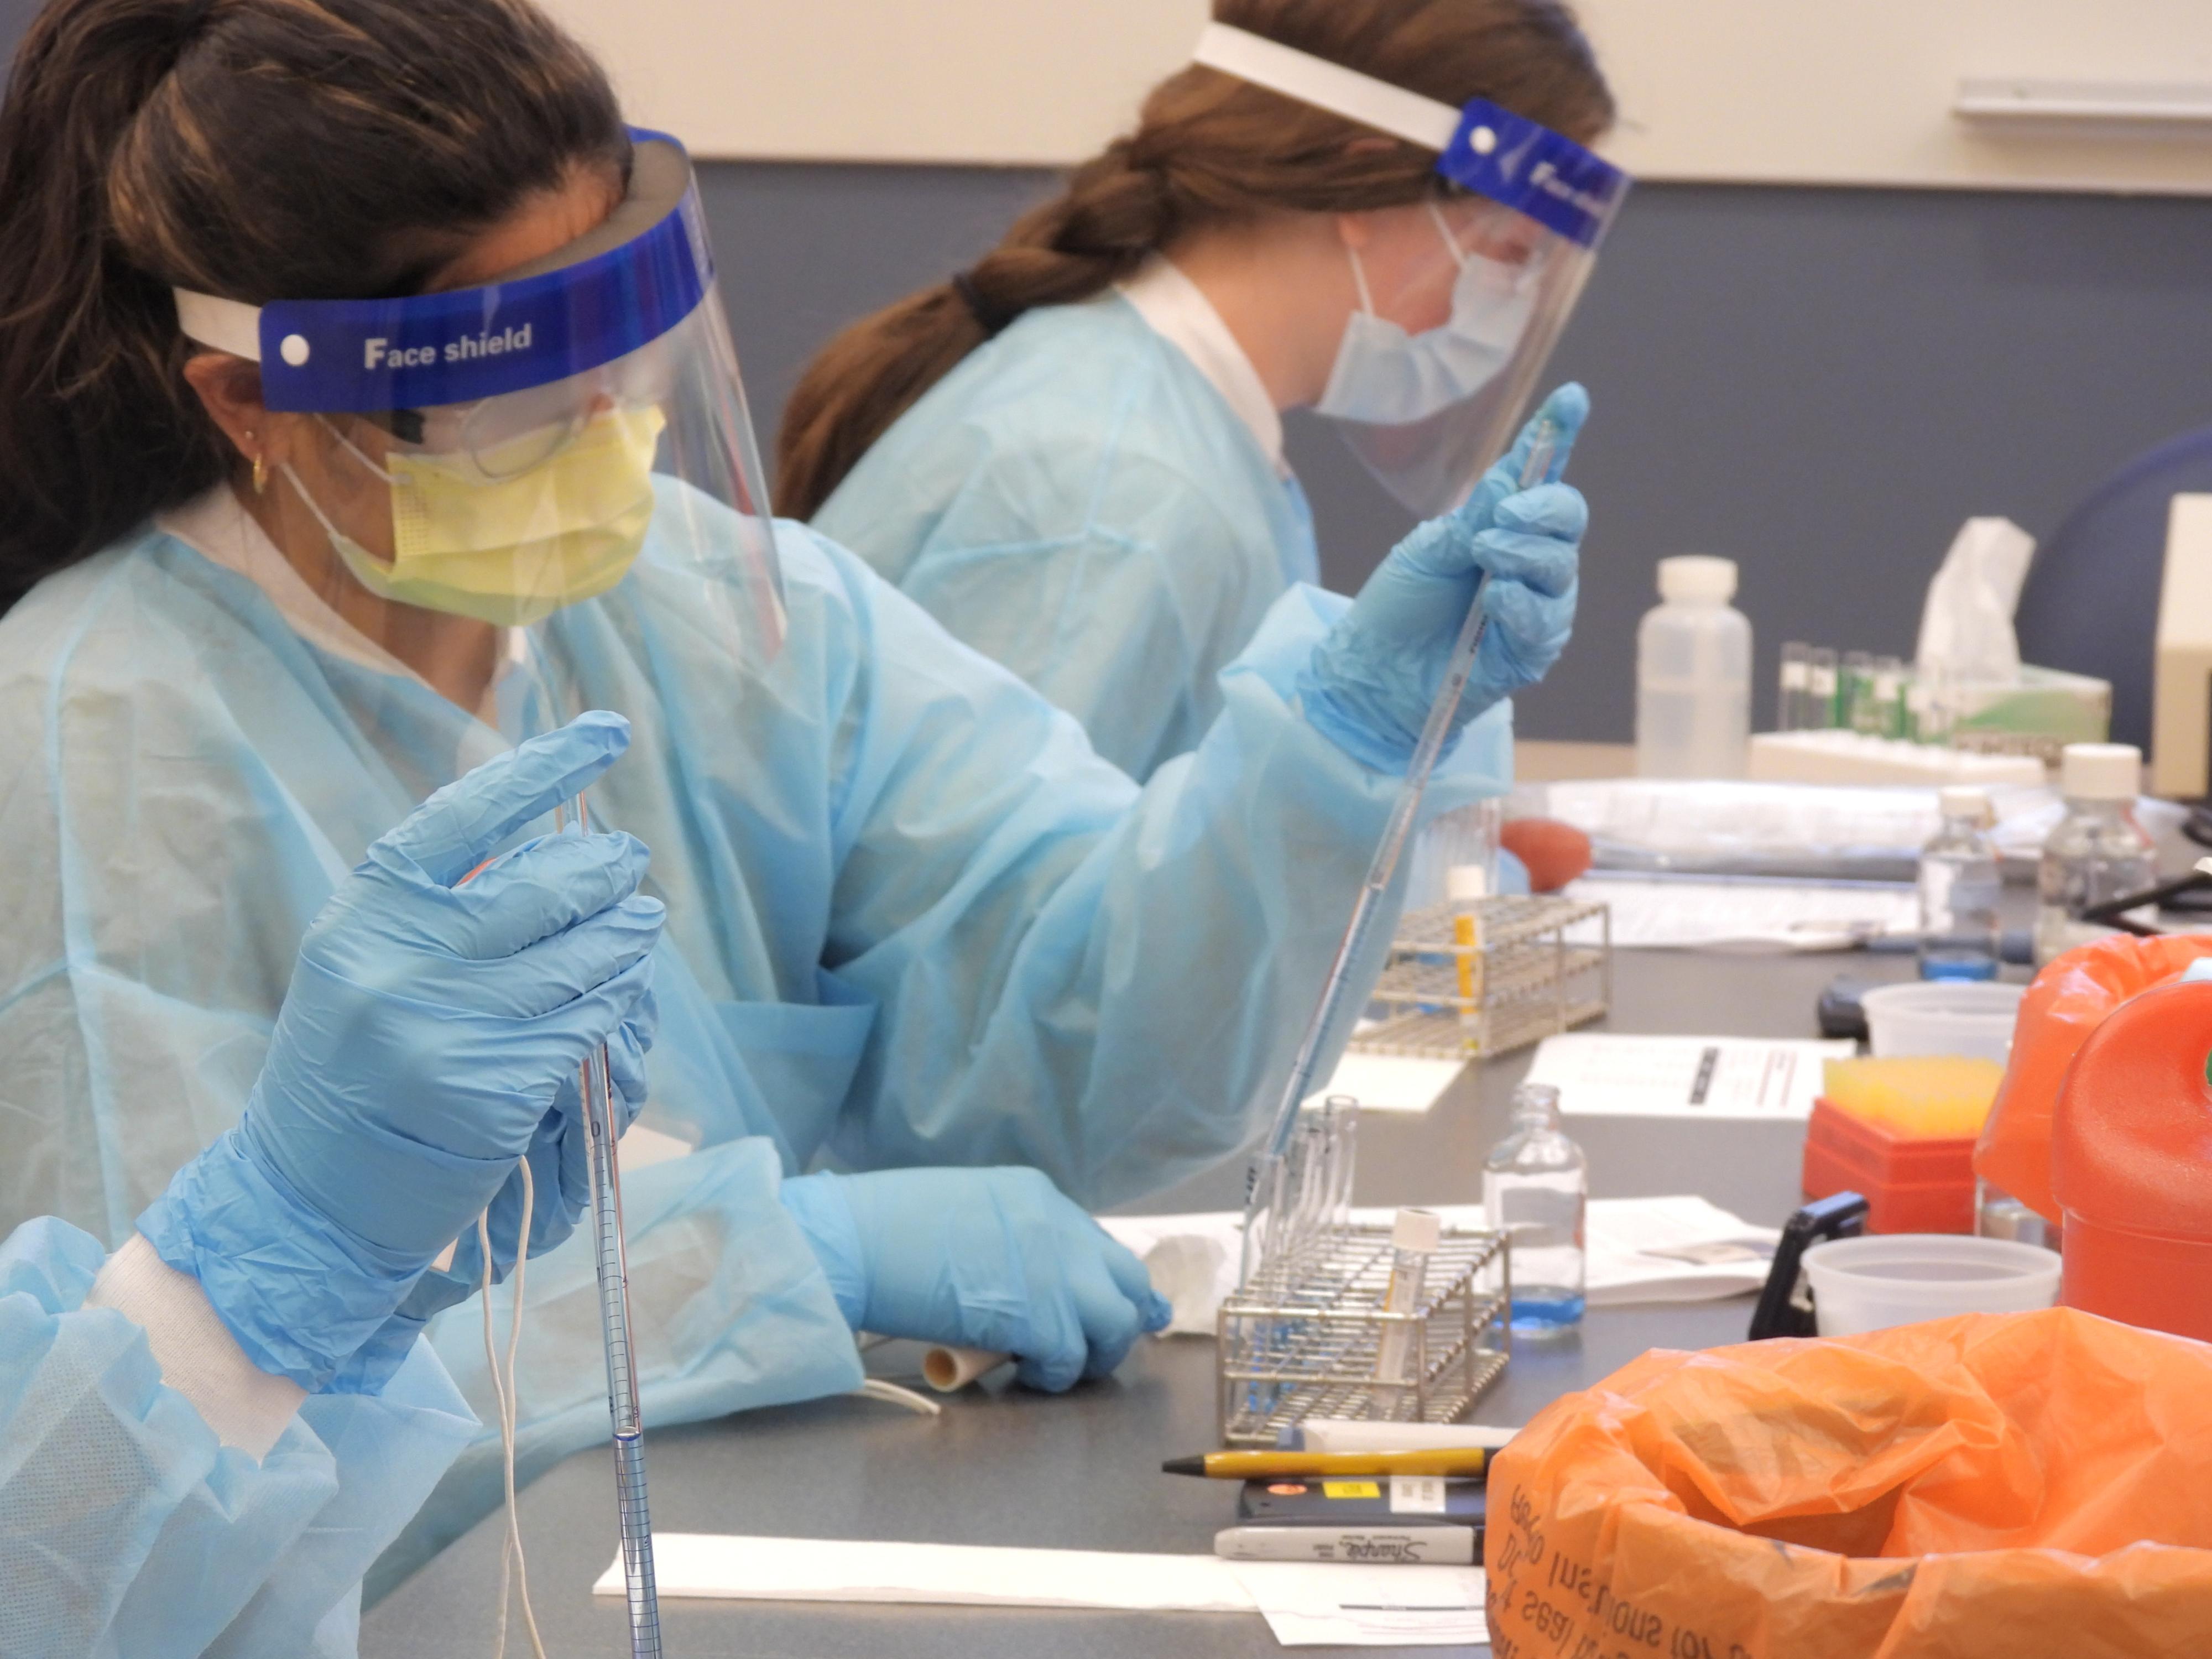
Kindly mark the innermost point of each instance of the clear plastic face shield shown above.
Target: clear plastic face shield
(1513, 232)
(503, 452)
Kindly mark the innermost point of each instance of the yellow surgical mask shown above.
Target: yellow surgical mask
(512, 549)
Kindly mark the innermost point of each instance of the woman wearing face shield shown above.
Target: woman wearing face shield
(1072, 454)
(367, 422)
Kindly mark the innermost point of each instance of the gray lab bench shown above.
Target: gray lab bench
(1081, 1471)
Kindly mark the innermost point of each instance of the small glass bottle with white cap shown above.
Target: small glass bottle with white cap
(1694, 675)
(2097, 851)
(1960, 890)
(1535, 1188)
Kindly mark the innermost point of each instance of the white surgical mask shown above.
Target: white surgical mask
(1387, 377)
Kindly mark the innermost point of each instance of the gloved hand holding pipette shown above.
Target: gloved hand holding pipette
(992, 1259)
(429, 1033)
(1373, 679)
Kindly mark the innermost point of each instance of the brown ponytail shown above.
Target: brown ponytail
(1208, 149)
(257, 149)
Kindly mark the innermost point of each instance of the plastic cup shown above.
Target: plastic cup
(1943, 1017)
(1900, 1278)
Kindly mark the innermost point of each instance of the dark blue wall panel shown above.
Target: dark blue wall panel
(1820, 384)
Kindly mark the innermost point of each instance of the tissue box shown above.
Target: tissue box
(2044, 703)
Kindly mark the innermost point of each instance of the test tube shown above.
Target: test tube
(1820, 713)
(1309, 1159)
(1889, 682)
(1414, 1236)
(1937, 708)
(1854, 692)
(1343, 1157)
(1793, 709)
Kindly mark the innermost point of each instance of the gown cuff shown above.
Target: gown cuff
(245, 1406)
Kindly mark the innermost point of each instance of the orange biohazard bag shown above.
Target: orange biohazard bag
(1992, 1486)
(2069, 1000)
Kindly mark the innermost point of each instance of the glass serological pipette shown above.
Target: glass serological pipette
(632, 1510)
(1263, 1191)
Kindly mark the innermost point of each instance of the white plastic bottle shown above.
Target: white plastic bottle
(2097, 851)
(1694, 674)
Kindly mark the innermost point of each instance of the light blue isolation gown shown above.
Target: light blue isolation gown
(1078, 502)
(912, 919)
(127, 1531)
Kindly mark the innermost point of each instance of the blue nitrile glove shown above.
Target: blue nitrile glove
(560, 1170)
(429, 1030)
(994, 1259)
(1371, 680)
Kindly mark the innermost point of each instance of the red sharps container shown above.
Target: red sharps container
(2131, 1165)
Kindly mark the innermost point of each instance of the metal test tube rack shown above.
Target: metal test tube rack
(1302, 1337)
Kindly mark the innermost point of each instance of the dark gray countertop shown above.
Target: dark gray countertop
(1003, 1466)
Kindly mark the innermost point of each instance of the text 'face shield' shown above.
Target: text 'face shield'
(505, 451)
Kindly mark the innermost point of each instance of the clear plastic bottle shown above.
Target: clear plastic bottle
(1535, 1186)
(1694, 675)
(1960, 886)
(2097, 851)
(1455, 859)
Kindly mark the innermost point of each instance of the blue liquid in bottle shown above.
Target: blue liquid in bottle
(1535, 1187)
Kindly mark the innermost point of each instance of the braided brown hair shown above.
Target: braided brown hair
(1209, 149)
(257, 150)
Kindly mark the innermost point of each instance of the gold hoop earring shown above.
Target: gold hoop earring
(260, 470)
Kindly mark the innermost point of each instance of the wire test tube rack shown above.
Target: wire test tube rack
(1485, 978)
(1304, 1335)
(1304, 1338)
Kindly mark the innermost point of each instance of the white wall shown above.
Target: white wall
(988, 81)
(1859, 92)
(1832, 92)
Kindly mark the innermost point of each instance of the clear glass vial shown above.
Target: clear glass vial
(1536, 1187)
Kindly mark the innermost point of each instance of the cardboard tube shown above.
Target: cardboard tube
(950, 1369)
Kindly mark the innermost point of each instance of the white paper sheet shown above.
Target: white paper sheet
(1600, 1073)
(1349, 1607)
(1390, 1082)
(1749, 915)
(1620, 1234)
(1708, 1253)
(1306, 1605)
(757, 1568)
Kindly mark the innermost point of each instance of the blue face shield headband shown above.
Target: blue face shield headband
(625, 284)
(508, 451)
(1428, 412)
